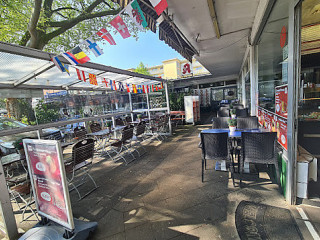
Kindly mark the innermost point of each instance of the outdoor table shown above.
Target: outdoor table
(232, 135)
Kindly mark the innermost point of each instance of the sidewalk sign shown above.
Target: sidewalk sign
(48, 179)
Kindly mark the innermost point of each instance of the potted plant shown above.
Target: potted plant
(232, 122)
(233, 113)
(109, 125)
(18, 144)
(139, 116)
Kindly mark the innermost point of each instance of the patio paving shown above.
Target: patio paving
(161, 196)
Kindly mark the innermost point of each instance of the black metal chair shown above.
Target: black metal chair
(119, 122)
(215, 146)
(223, 112)
(242, 112)
(95, 127)
(259, 148)
(78, 167)
(139, 135)
(80, 133)
(247, 123)
(220, 122)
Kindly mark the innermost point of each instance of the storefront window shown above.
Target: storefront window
(272, 55)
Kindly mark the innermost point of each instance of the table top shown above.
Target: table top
(235, 134)
(11, 158)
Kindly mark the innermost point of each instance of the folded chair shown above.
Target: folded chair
(215, 146)
(259, 148)
(78, 167)
(95, 127)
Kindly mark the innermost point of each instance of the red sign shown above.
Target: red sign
(186, 69)
(48, 181)
(283, 37)
(274, 123)
(281, 100)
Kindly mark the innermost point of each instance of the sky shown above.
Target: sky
(129, 52)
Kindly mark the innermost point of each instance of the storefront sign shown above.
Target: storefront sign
(274, 123)
(48, 179)
(281, 100)
(186, 69)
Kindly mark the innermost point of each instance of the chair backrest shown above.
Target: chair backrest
(242, 112)
(95, 127)
(54, 136)
(220, 122)
(258, 147)
(83, 150)
(140, 129)
(214, 145)
(80, 132)
(247, 123)
(128, 120)
(127, 134)
(223, 112)
(119, 122)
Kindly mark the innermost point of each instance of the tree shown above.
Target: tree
(142, 69)
(55, 25)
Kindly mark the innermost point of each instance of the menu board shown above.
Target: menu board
(48, 180)
(281, 99)
(274, 123)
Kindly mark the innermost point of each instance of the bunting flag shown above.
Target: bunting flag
(136, 14)
(67, 68)
(59, 64)
(111, 84)
(121, 87)
(114, 85)
(152, 88)
(97, 51)
(134, 88)
(81, 75)
(105, 82)
(121, 27)
(147, 88)
(159, 5)
(128, 87)
(143, 89)
(157, 87)
(106, 35)
(161, 85)
(93, 79)
(76, 56)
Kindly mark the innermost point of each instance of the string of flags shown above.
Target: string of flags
(77, 56)
(118, 86)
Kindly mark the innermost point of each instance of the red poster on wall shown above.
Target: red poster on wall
(281, 99)
(49, 183)
(281, 128)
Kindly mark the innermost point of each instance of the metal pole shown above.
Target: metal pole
(131, 108)
(168, 106)
(253, 81)
(148, 105)
(8, 219)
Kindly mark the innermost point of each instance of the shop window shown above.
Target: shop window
(272, 55)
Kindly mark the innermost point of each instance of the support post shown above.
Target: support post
(8, 218)
(130, 103)
(168, 106)
(253, 80)
(148, 105)
(243, 83)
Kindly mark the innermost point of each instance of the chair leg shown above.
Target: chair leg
(202, 175)
(241, 171)
(205, 164)
(232, 169)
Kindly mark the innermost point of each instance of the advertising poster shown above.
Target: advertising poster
(48, 180)
(281, 99)
(274, 123)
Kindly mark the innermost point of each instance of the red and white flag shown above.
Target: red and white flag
(106, 35)
(81, 75)
(119, 24)
(105, 82)
(159, 5)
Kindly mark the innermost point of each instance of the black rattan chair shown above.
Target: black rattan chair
(215, 146)
(223, 112)
(259, 148)
(247, 123)
(80, 132)
(78, 166)
(220, 122)
(95, 127)
(242, 112)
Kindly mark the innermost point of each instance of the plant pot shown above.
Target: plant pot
(233, 116)
(232, 128)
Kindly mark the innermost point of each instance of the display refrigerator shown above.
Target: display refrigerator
(192, 109)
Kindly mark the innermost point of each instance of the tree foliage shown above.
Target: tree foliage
(55, 25)
(47, 113)
(142, 69)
